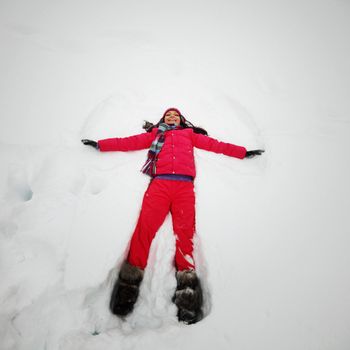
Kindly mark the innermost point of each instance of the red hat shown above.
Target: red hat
(171, 109)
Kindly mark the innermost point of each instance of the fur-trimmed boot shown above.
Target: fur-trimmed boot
(126, 289)
(188, 297)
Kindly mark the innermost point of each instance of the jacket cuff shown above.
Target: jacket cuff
(105, 145)
(244, 152)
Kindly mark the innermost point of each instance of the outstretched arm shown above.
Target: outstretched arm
(123, 144)
(210, 144)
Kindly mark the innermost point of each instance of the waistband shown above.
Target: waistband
(175, 177)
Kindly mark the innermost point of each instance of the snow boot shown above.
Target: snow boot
(188, 297)
(126, 290)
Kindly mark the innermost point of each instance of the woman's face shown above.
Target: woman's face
(172, 118)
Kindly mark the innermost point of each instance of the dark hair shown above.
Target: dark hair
(148, 126)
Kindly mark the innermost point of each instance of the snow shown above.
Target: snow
(272, 232)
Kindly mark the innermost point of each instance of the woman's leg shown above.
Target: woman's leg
(155, 207)
(183, 216)
(188, 295)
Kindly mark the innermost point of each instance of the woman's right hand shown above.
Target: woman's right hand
(91, 143)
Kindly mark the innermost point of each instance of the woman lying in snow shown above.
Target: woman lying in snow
(170, 164)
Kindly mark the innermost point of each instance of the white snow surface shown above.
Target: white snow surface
(273, 232)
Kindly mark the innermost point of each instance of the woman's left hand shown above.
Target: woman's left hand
(253, 153)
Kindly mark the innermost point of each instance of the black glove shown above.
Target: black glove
(91, 143)
(255, 152)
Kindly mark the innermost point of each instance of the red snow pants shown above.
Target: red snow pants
(161, 197)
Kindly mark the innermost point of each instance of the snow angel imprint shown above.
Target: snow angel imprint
(170, 164)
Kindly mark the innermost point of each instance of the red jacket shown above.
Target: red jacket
(176, 156)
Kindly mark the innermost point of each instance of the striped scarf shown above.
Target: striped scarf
(149, 167)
